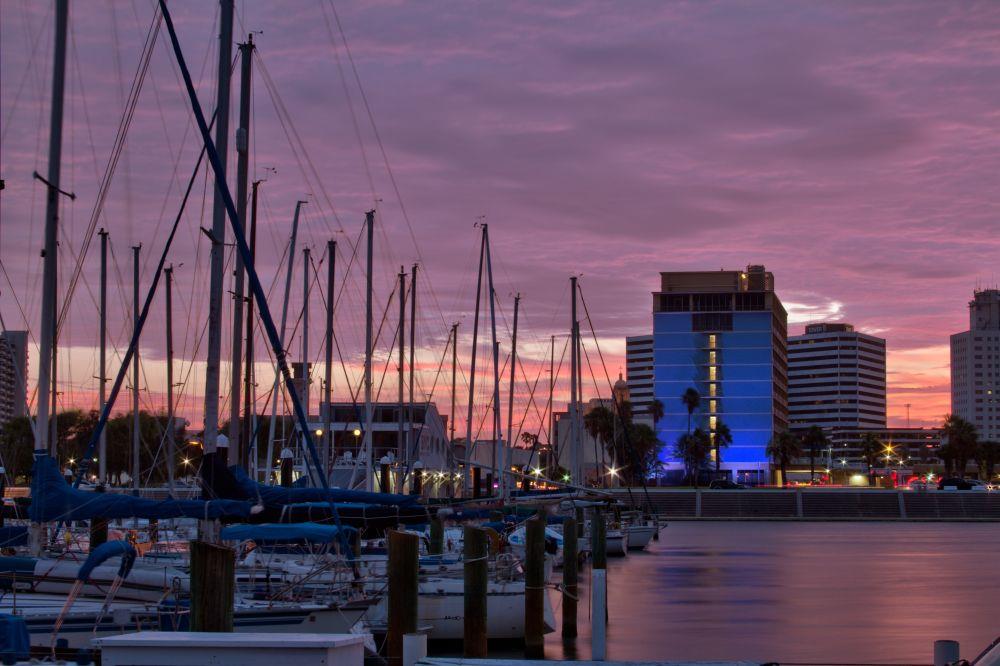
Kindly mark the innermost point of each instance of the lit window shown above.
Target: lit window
(711, 373)
(712, 390)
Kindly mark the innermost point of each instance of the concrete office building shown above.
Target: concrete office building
(723, 333)
(639, 375)
(975, 366)
(836, 378)
(13, 374)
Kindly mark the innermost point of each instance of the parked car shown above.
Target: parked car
(956, 483)
(725, 484)
(916, 483)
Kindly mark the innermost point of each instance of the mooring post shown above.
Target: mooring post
(476, 484)
(287, 464)
(476, 582)
(598, 630)
(570, 578)
(534, 588)
(436, 546)
(579, 521)
(403, 565)
(414, 648)
(213, 578)
(946, 652)
(598, 540)
(384, 479)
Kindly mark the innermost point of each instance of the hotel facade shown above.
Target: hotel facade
(723, 333)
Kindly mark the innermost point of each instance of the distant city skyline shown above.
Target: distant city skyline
(856, 164)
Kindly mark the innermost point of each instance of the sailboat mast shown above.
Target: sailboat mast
(50, 265)
(469, 444)
(552, 395)
(401, 441)
(368, 448)
(216, 280)
(171, 431)
(306, 273)
(454, 376)
(281, 333)
(413, 360)
(102, 446)
(238, 448)
(510, 398)
(574, 442)
(331, 274)
(249, 410)
(497, 439)
(135, 371)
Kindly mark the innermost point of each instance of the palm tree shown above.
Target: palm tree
(783, 448)
(656, 411)
(987, 456)
(962, 441)
(871, 447)
(693, 449)
(723, 438)
(691, 400)
(814, 440)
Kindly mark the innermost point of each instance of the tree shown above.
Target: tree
(987, 455)
(871, 447)
(600, 424)
(691, 400)
(782, 449)
(17, 443)
(961, 442)
(814, 440)
(645, 448)
(693, 449)
(723, 438)
(656, 411)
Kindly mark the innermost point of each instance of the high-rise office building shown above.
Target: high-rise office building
(836, 378)
(639, 375)
(723, 333)
(975, 366)
(13, 374)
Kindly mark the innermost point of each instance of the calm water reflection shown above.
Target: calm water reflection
(848, 592)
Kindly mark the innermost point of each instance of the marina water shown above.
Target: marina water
(799, 592)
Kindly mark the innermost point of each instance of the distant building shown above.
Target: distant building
(724, 334)
(13, 374)
(639, 375)
(836, 378)
(975, 366)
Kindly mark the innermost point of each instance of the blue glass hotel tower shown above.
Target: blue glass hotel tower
(725, 334)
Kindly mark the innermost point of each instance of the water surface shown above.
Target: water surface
(800, 592)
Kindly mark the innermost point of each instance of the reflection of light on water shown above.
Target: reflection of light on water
(850, 592)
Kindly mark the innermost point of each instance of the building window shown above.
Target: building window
(673, 303)
(712, 375)
(714, 321)
(750, 301)
(711, 302)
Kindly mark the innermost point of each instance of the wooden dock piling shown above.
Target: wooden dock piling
(476, 584)
(534, 588)
(403, 569)
(436, 546)
(570, 578)
(213, 579)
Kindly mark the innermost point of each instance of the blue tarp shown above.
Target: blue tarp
(14, 642)
(12, 536)
(285, 533)
(273, 496)
(52, 499)
(105, 552)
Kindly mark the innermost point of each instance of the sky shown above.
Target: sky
(850, 147)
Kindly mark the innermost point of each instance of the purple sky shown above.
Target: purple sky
(852, 148)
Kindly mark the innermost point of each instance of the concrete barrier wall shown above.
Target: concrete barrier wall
(817, 504)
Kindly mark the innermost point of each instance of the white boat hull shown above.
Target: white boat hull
(616, 542)
(639, 536)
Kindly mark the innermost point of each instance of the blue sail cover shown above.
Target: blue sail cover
(105, 552)
(53, 499)
(277, 496)
(285, 533)
(14, 642)
(12, 536)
